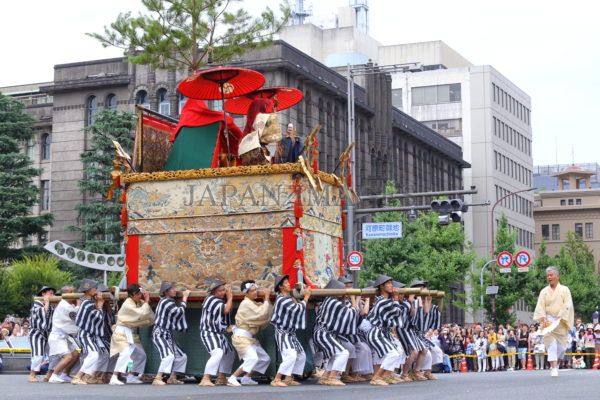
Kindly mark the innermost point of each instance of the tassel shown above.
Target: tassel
(349, 173)
(124, 216)
(315, 157)
(123, 197)
(297, 208)
(343, 203)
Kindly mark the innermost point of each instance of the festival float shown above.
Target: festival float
(204, 200)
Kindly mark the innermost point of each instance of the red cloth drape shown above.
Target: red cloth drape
(196, 113)
(132, 257)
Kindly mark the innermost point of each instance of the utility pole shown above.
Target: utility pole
(350, 74)
(493, 256)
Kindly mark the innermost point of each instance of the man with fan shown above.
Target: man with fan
(554, 311)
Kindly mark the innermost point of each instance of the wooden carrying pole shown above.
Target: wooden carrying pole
(201, 294)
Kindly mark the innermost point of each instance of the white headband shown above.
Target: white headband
(248, 286)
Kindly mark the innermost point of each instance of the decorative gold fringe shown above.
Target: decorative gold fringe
(269, 169)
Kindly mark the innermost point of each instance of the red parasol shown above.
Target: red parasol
(221, 83)
(283, 97)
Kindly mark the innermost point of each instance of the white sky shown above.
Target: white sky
(550, 49)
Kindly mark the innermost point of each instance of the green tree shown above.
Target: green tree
(101, 218)
(577, 269)
(18, 194)
(23, 278)
(185, 34)
(512, 286)
(436, 253)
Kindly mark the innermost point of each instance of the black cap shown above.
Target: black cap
(279, 280)
(44, 288)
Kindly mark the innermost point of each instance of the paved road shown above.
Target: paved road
(570, 385)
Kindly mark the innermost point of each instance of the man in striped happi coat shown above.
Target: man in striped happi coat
(415, 338)
(332, 320)
(169, 316)
(90, 321)
(41, 322)
(428, 317)
(361, 362)
(289, 315)
(107, 364)
(61, 338)
(383, 317)
(214, 320)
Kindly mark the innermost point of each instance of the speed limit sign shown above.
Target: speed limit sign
(355, 259)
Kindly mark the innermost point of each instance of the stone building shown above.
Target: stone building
(390, 144)
(573, 207)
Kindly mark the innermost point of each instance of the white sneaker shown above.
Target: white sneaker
(510, 369)
(247, 381)
(232, 381)
(55, 379)
(114, 380)
(65, 377)
(133, 379)
(554, 372)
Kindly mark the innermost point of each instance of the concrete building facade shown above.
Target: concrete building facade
(474, 106)
(390, 144)
(573, 207)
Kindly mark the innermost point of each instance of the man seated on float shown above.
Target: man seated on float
(251, 317)
(200, 140)
(262, 128)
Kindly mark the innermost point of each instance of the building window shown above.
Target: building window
(425, 95)
(45, 195)
(181, 99)
(91, 110)
(555, 232)
(30, 147)
(46, 146)
(545, 232)
(397, 98)
(446, 127)
(43, 238)
(570, 202)
(577, 202)
(589, 230)
(164, 107)
(563, 202)
(579, 229)
(111, 102)
(141, 98)
(28, 241)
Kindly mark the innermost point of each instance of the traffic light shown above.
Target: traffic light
(449, 210)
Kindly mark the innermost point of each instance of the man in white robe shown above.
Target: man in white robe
(554, 311)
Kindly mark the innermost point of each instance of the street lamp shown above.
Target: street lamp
(493, 316)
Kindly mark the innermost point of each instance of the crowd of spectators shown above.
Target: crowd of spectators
(506, 347)
(14, 327)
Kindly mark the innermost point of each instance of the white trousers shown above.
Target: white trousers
(53, 362)
(351, 349)
(90, 363)
(292, 363)
(256, 359)
(134, 353)
(555, 351)
(427, 361)
(107, 363)
(36, 363)
(172, 362)
(482, 363)
(219, 362)
(437, 356)
(338, 361)
(363, 363)
(400, 349)
(390, 360)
